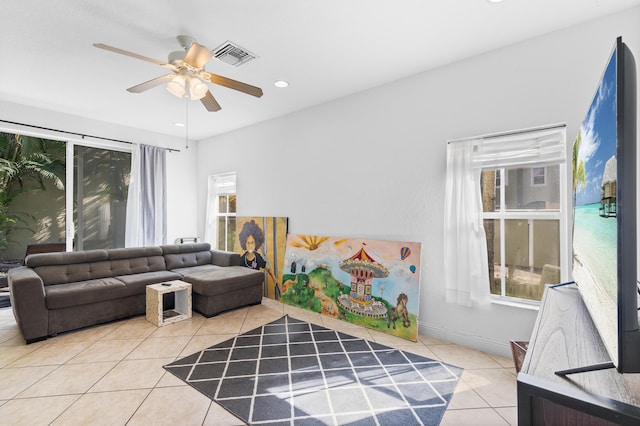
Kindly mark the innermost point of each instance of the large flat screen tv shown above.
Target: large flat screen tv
(604, 214)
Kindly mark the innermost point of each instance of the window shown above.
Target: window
(522, 226)
(32, 193)
(100, 197)
(538, 175)
(498, 185)
(226, 221)
(525, 220)
(73, 191)
(221, 211)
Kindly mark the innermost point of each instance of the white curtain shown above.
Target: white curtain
(466, 269)
(147, 200)
(466, 261)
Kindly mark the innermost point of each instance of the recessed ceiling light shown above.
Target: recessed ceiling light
(280, 83)
(178, 124)
(494, 1)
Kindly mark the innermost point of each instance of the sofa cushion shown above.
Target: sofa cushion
(225, 258)
(59, 268)
(185, 255)
(137, 265)
(74, 272)
(136, 283)
(198, 268)
(127, 253)
(185, 248)
(223, 279)
(184, 260)
(65, 258)
(84, 292)
(136, 260)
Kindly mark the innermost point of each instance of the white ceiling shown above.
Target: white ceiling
(325, 49)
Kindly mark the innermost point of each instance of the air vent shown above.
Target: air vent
(233, 54)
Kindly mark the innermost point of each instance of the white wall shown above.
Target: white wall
(372, 165)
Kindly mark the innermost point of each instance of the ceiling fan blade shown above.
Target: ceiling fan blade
(232, 84)
(198, 55)
(134, 55)
(151, 83)
(210, 102)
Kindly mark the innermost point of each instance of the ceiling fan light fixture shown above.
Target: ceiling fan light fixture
(184, 86)
(177, 86)
(190, 80)
(197, 88)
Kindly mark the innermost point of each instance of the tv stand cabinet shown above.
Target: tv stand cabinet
(564, 337)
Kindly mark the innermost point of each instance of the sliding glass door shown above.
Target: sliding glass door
(101, 182)
(61, 191)
(32, 193)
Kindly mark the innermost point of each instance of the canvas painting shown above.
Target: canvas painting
(261, 241)
(372, 283)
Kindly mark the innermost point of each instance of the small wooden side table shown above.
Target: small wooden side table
(156, 314)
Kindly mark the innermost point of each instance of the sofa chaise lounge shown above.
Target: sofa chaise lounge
(57, 292)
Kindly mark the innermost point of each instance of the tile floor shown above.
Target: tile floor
(112, 374)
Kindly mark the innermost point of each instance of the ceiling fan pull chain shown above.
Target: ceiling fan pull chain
(186, 100)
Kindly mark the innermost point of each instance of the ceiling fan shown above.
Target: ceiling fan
(188, 75)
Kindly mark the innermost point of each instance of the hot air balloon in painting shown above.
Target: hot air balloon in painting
(412, 268)
(405, 252)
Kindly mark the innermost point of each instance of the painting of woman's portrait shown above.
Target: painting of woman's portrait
(261, 242)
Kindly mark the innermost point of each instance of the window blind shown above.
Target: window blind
(541, 147)
(225, 183)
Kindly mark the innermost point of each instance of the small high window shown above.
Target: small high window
(221, 211)
(538, 176)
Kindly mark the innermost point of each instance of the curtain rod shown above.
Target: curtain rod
(76, 134)
(509, 133)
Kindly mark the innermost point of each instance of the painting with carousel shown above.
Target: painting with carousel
(373, 283)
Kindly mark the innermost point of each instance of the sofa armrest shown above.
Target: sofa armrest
(225, 258)
(28, 302)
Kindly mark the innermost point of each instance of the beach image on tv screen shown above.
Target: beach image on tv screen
(595, 209)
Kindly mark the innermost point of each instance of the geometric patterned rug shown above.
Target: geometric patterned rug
(292, 372)
(5, 301)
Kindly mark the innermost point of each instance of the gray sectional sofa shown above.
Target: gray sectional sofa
(57, 292)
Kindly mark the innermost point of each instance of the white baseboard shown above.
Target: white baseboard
(474, 342)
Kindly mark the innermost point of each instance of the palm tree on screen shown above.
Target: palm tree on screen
(579, 175)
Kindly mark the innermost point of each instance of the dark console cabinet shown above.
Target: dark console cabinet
(564, 337)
